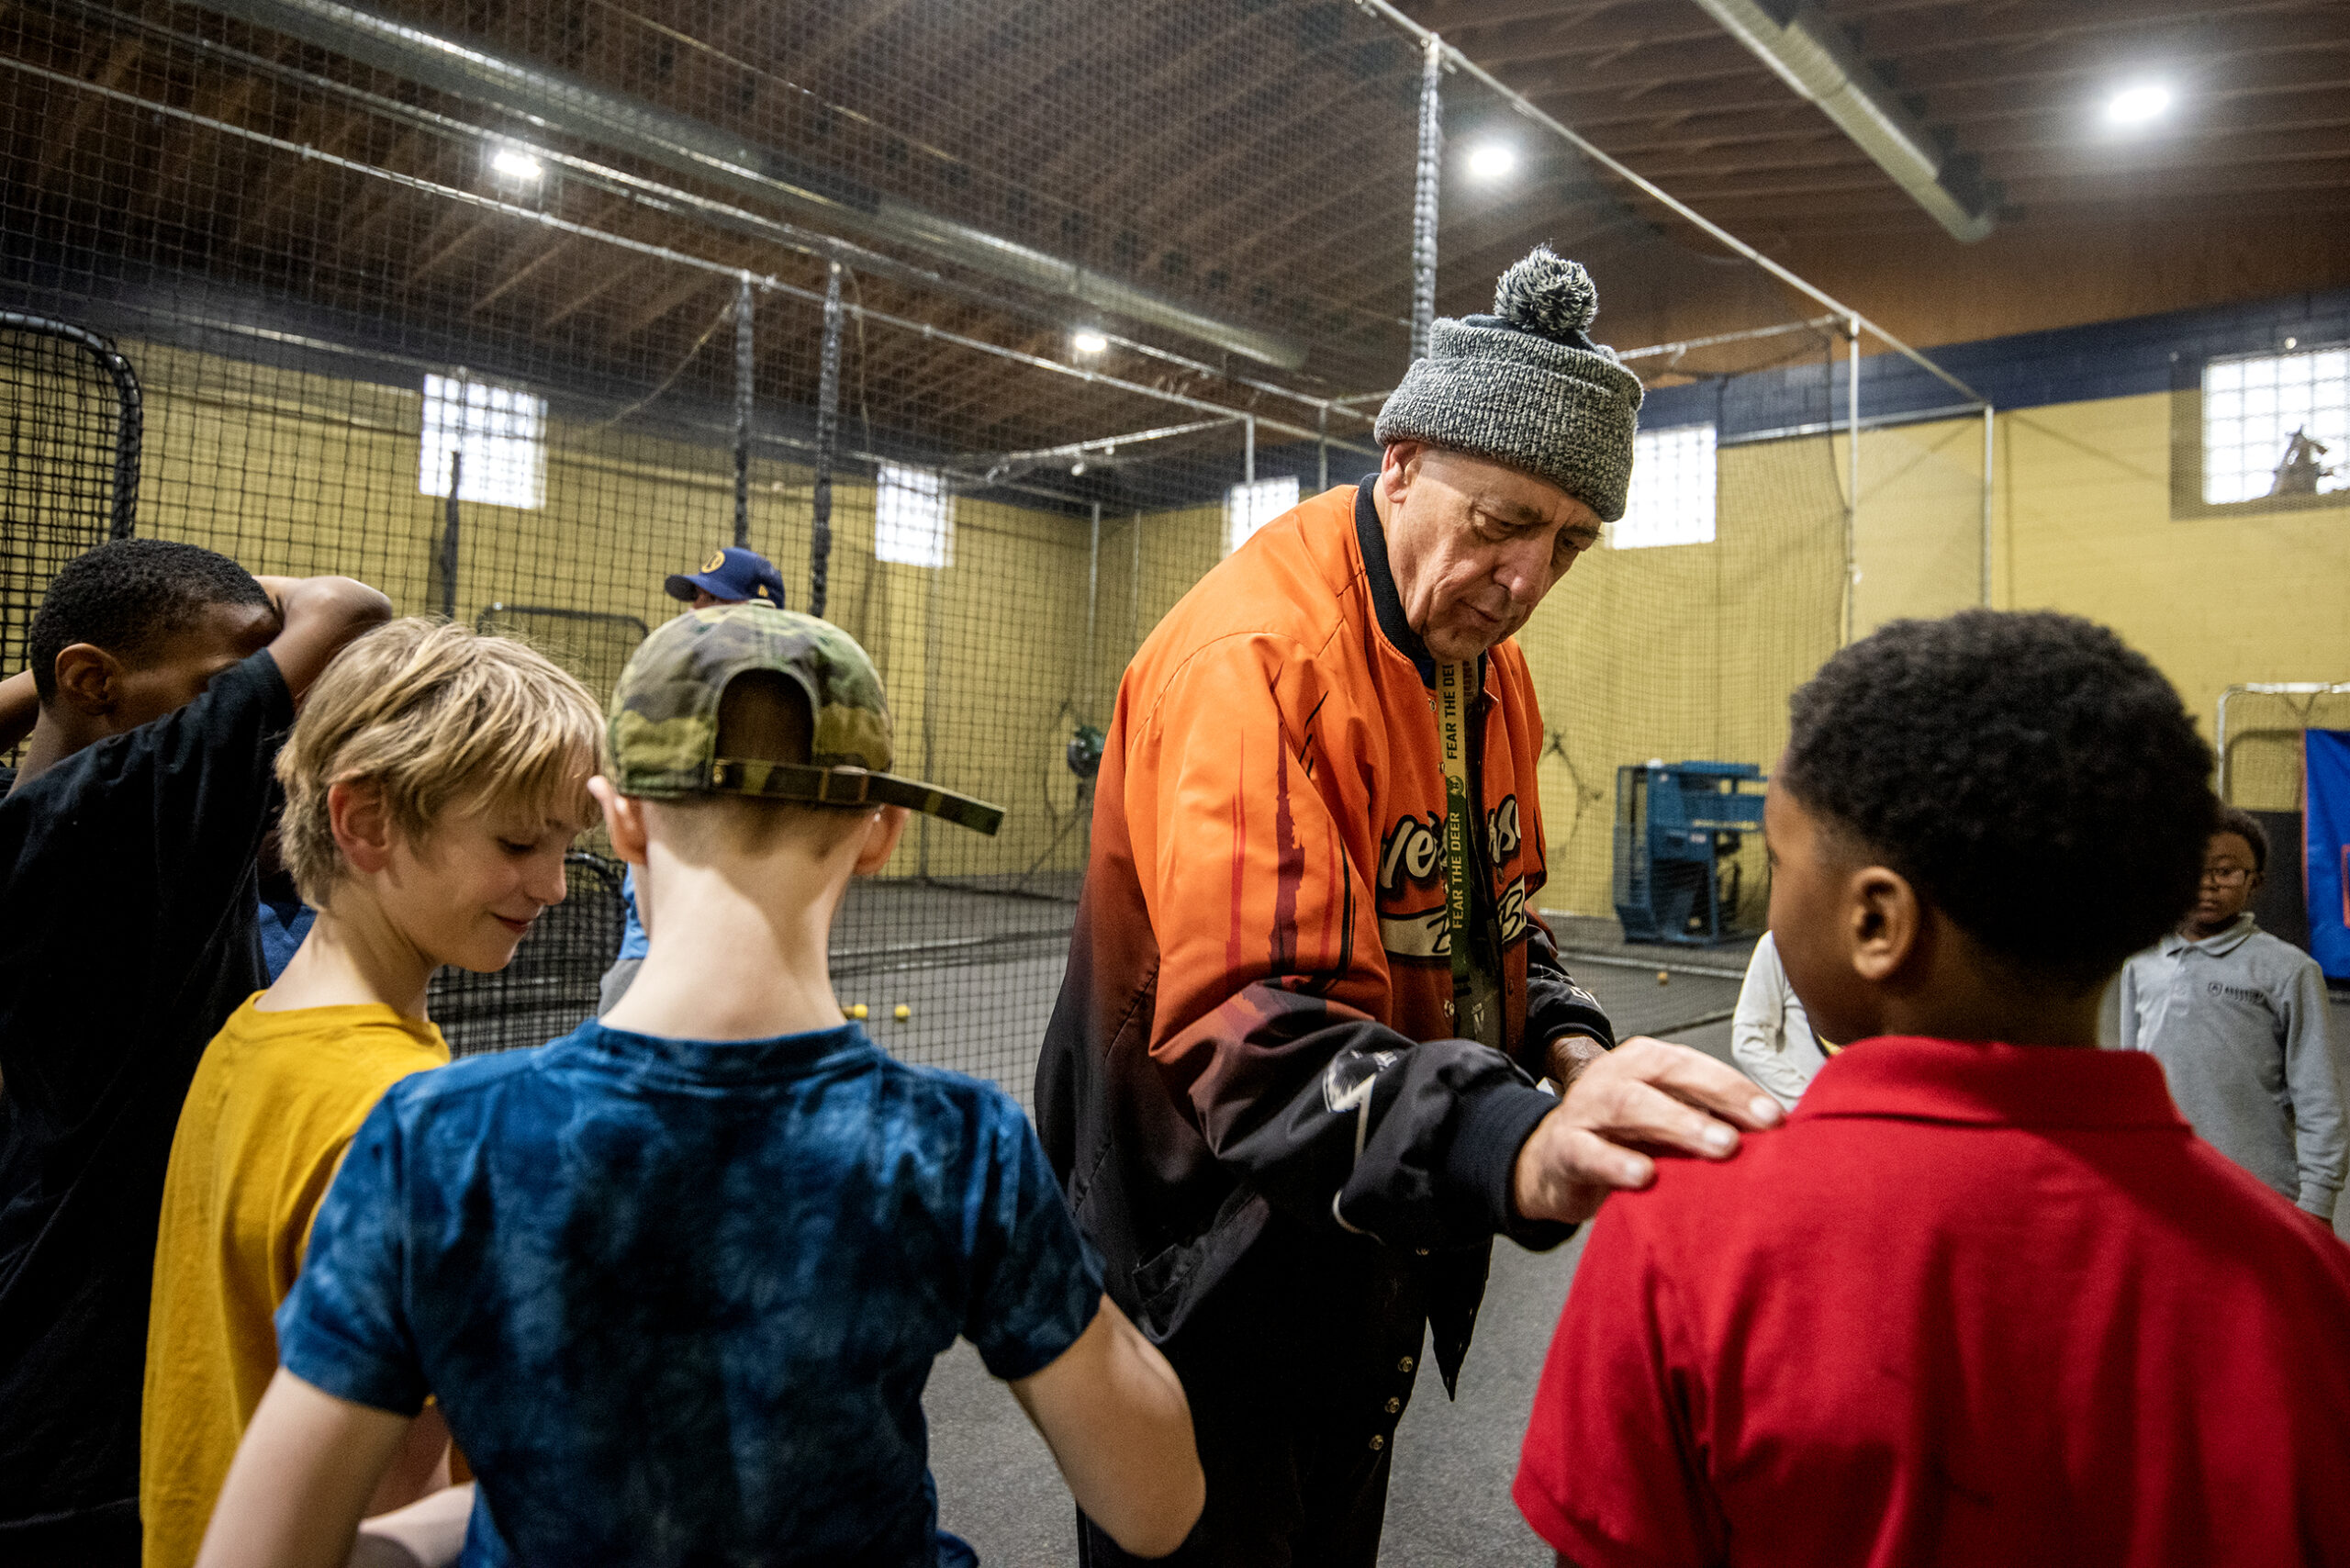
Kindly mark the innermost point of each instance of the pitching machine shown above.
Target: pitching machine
(1678, 828)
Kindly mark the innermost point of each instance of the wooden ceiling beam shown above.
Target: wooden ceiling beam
(1484, 16)
(662, 302)
(608, 278)
(2090, 23)
(114, 60)
(458, 227)
(1599, 111)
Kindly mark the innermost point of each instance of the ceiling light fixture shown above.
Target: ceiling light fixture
(2136, 105)
(513, 163)
(1087, 341)
(1492, 161)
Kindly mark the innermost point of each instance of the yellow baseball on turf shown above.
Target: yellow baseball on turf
(903, 1012)
(1663, 977)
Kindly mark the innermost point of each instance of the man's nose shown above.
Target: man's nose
(1523, 568)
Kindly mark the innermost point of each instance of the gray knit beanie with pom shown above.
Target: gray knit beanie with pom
(1526, 386)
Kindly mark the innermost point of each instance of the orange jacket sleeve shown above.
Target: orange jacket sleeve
(1255, 851)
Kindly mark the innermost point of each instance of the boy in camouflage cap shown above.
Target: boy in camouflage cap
(665, 717)
(676, 1278)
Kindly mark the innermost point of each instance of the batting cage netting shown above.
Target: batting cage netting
(994, 327)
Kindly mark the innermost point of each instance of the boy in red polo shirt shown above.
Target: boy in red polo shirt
(1986, 1298)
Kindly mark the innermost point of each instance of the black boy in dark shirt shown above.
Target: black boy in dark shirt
(166, 675)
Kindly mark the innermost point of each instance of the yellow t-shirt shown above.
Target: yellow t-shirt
(275, 1103)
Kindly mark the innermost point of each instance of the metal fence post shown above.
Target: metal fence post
(1424, 182)
(445, 561)
(828, 415)
(742, 394)
(1852, 502)
(1989, 438)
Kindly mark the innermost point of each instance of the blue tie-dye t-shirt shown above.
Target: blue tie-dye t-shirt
(677, 1298)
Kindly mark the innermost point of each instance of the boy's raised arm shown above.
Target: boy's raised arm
(19, 708)
(1113, 1413)
(301, 1480)
(319, 615)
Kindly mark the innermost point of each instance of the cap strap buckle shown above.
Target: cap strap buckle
(848, 785)
(842, 786)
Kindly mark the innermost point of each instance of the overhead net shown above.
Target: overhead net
(994, 327)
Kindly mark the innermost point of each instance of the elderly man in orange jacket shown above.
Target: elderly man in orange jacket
(1293, 1082)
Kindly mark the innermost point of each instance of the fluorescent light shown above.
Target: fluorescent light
(1492, 162)
(2136, 105)
(513, 163)
(1087, 341)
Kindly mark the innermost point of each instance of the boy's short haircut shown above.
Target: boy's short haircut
(2244, 825)
(437, 717)
(127, 596)
(2033, 777)
(762, 717)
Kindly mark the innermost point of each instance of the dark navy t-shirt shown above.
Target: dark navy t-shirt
(678, 1298)
(127, 911)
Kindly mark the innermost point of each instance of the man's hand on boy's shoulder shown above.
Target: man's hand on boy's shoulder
(317, 616)
(1646, 1095)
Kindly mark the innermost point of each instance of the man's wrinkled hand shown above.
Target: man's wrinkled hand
(1644, 1096)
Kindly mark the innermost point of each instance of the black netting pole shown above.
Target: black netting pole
(129, 434)
(828, 412)
(446, 565)
(742, 392)
(1424, 196)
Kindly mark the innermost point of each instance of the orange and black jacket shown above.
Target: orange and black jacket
(1253, 1047)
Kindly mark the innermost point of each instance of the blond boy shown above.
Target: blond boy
(433, 783)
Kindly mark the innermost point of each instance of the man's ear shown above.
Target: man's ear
(623, 820)
(362, 827)
(881, 835)
(89, 679)
(1398, 466)
(1885, 923)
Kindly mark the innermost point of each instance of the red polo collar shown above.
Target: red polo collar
(1983, 1084)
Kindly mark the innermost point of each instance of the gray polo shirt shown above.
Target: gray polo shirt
(2238, 1021)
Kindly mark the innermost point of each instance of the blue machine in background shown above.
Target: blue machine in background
(1678, 827)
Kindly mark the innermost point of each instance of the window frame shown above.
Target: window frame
(932, 486)
(1283, 489)
(474, 486)
(2188, 434)
(1612, 535)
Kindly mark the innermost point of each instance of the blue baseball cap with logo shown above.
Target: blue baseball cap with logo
(735, 575)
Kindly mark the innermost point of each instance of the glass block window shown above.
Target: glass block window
(2275, 425)
(501, 433)
(913, 517)
(1247, 508)
(1672, 500)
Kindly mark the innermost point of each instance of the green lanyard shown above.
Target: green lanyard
(1474, 990)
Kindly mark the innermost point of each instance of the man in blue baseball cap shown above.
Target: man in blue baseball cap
(731, 575)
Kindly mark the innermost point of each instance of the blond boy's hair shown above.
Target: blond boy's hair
(435, 716)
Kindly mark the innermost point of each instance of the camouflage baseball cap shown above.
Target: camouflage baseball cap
(664, 717)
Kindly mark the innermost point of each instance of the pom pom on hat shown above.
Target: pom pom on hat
(1548, 295)
(1526, 388)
